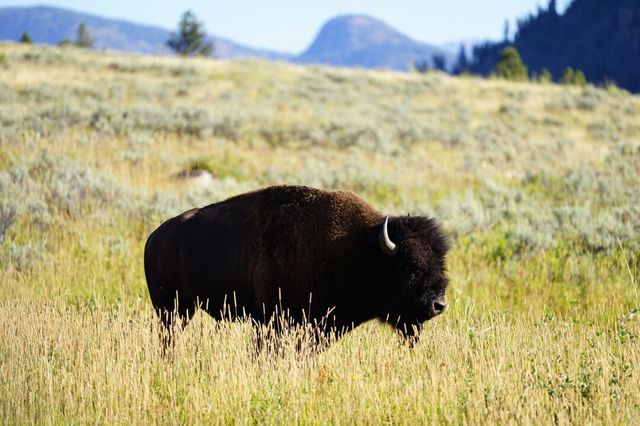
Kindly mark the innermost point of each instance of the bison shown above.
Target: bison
(324, 257)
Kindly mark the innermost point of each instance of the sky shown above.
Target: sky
(291, 25)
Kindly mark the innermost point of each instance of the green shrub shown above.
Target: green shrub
(573, 77)
(26, 38)
(545, 76)
(579, 78)
(510, 66)
(567, 76)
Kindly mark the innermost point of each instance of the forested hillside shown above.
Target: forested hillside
(601, 38)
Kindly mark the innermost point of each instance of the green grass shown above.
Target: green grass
(536, 184)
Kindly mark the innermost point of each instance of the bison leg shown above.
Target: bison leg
(268, 338)
(174, 313)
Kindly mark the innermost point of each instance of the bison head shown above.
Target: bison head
(414, 274)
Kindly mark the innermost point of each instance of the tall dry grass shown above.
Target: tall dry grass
(537, 186)
(64, 364)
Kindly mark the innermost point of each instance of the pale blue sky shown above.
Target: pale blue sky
(290, 25)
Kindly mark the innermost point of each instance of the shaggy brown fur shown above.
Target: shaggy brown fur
(305, 250)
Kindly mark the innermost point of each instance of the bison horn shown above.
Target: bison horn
(387, 246)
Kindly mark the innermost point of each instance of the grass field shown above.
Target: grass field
(537, 185)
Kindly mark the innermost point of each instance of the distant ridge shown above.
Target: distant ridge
(51, 25)
(360, 40)
(349, 40)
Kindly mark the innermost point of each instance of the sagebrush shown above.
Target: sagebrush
(537, 185)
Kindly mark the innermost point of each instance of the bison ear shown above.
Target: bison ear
(386, 245)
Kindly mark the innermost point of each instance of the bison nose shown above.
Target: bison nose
(439, 306)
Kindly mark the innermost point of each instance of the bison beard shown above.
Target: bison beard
(279, 248)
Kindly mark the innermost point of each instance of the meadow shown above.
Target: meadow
(537, 186)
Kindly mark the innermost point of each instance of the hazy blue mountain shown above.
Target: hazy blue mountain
(50, 25)
(363, 41)
(354, 40)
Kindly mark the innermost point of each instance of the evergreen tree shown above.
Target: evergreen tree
(26, 38)
(545, 76)
(579, 79)
(510, 66)
(506, 31)
(439, 62)
(84, 38)
(601, 38)
(462, 62)
(422, 66)
(573, 77)
(190, 40)
(567, 76)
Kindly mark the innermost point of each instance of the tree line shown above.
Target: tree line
(592, 40)
(190, 39)
(83, 38)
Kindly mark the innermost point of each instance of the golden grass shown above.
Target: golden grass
(545, 336)
(99, 364)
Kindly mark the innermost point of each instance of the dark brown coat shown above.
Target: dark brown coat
(306, 250)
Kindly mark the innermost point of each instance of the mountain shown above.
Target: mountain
(601, 38)
(351, 40)
(51, 25)
(363, 41)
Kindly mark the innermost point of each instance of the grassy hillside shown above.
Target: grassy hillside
(538, 187)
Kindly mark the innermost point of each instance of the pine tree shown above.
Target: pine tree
(545, 76)
(573, 77)
(579, 78)
(26, 38)
(422, 66)
(84, 37)
(567, 76)
(190, 40)
(510, 66)
(462, 63)
(439, 62)
(506, 31)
